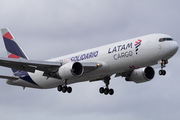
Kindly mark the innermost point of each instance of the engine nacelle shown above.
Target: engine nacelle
(141, 75)
(70, 70)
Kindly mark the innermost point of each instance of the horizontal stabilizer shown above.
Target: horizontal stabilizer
(9, 77)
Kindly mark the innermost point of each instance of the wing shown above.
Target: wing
(45, 66)
(30, 65)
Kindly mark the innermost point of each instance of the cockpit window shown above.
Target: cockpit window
(165, 39)
(169, 39)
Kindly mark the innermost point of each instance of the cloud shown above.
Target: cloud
(47, 29)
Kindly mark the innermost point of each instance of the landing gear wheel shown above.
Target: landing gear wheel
(101, 90)
(64, 89)
(162, 72)
(59, 88)
(111, 91)
(106, 91)
(69, 89)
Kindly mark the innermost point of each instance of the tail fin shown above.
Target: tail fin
(12, 47)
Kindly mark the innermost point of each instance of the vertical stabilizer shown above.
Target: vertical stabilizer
(12, 47)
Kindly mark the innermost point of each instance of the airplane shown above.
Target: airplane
(132, 59)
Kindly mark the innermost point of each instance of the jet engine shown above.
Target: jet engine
(70, 70)
(141, 75)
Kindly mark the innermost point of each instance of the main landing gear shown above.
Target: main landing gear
(64, 88)
(106, 90)
(163, 64)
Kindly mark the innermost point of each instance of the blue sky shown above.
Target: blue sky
(47, 29)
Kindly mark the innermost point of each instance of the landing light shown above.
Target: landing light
(99, 65)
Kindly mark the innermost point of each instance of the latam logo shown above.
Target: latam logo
(137, 44)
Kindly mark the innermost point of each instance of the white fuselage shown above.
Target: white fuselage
(116, 58)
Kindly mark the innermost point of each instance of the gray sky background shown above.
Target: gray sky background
(51, 28)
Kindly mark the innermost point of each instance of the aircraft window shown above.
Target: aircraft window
(169, 39)
(161, 39)
(165, 39)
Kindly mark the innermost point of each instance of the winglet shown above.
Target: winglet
(12, 47)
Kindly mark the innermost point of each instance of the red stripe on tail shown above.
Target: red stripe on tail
(13, 56)
(8, 36)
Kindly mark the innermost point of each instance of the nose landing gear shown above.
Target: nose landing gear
(163, 64)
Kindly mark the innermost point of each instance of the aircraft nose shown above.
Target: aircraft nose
(174, 47)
